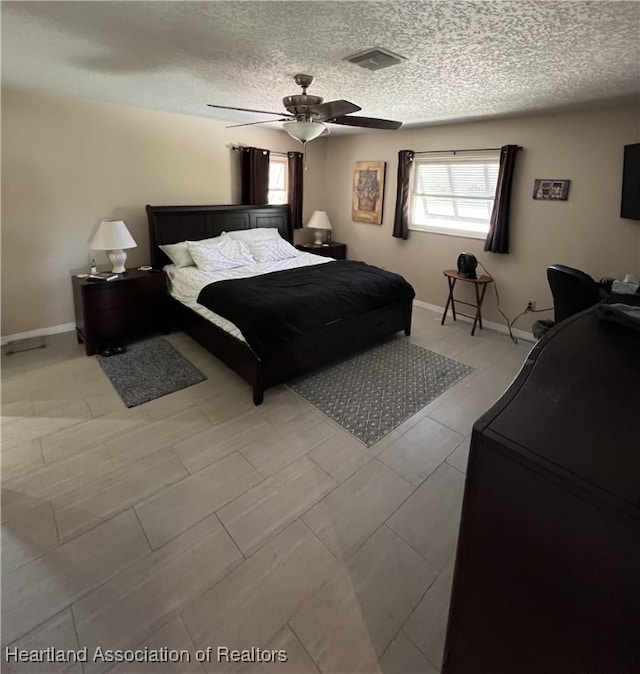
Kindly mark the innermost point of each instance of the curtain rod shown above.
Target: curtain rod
(239, 147)
(483, 149)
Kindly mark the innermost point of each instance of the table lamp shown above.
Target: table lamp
(319, 221)
(113, 235)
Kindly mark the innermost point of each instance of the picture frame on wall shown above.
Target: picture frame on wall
(551, 189)
(368, 191)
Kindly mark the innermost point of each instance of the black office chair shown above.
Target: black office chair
(573, 291)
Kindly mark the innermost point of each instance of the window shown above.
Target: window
(277, 180)
(453, 193)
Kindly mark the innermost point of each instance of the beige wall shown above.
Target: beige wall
(585, 231)
(67, 164)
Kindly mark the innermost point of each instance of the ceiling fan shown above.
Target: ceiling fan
(306, 114)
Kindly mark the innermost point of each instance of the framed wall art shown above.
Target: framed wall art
(551, 189)
(368, 192)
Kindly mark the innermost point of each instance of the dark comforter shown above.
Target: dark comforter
(272, 309)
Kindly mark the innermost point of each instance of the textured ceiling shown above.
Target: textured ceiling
(466, 60)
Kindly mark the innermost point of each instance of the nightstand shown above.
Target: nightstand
(112, 311)
(333, 249)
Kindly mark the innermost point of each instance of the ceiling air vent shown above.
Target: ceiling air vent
(376, 59)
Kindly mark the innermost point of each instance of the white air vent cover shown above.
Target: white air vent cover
(376, 59)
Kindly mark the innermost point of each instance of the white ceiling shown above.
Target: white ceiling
(466, 60)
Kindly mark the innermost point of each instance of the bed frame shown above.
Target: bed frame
(171, 224)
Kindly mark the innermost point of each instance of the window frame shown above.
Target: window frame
(277, 159)
(457, 227)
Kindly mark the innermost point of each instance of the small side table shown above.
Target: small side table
(480, 284)
(334, 249)
(134, 303)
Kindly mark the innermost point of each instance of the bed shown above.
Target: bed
(173, 224)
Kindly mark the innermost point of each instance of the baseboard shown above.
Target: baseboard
(40, 332)
(498, 327)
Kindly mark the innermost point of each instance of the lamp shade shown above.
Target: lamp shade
(319, 220)
(112, 235)
(304, 131)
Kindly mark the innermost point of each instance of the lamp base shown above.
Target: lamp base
(318, 239)
(118, 258)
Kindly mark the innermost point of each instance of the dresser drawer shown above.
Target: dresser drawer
(129, 320)
(115, 295)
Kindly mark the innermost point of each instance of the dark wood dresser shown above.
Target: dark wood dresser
(112, 311)
(547, 575)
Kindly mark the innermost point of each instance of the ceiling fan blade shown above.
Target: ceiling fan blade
(264, 121)
(366, 122)
(333, 109)
(264, 112)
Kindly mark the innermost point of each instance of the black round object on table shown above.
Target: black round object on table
(467, 264)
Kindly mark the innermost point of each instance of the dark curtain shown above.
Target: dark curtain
(401, 221)
(255, 176)
(294, 187)
(498, 237)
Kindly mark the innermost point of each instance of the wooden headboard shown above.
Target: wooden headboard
(171, 224)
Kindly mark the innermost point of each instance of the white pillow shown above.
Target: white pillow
(220, 253)
(257, 234)
(273, 250)
(178, 253)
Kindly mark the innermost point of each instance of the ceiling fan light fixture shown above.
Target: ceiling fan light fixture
(304, 131)
(305, 114)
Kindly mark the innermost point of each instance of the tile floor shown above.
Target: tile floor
(198, 520)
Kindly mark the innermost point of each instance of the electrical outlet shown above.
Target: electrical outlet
(531, 305)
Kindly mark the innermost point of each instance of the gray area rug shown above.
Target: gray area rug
(373, 392)
(149, 370)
